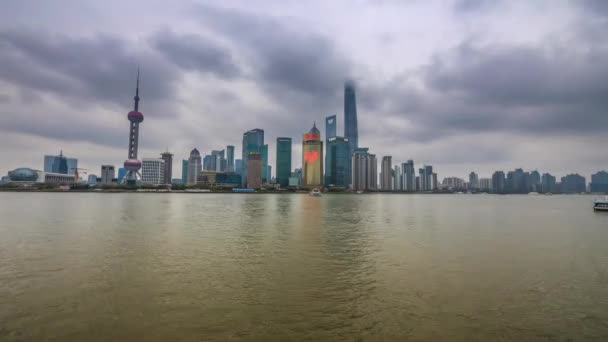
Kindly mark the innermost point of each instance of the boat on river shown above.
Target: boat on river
(601, 204)
(315, 192)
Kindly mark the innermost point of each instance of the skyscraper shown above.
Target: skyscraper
(330, 127)
(573, 183)
(265, 170)
(230, 158)
(386, 174)
(253, 141)
(238, 167)
(548, 183)
(135, 118)
(372, 172)
(184, 171)
(409, 176)
(397, 178)
(194, 167)
(312, 158)
(60, 164)
(107, 174)
(168, 173)
(254, 170)
(359, 169)
(599, 182)
(534, 181)
(427, 179)
(337, 162)
(153, 171)
(283, 161)
(498, 182)
(473, 181)
(121, 174)
(351, 131)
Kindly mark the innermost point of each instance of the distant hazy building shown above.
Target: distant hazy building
(427, 181)
(283, 161)
(397, 177)
(548, 183)
(92, 180)
(107, 174)
(295, 180)
(386, 174)
(312, 159)
(534, 182)
(253, 141)
(230, 158)
(168, 158)
(485, 184)
(254, 170)
(573, 183)
(473, 181)
(194, 167)
(599, 182)
(184, 171)
(453, 183)
(153, 171)
(498, 182)
(409, 176)
(517, 182)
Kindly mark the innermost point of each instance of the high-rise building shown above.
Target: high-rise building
(359, 167)
(453, 183)
(312, 159)
(133, 165)
(168, 158)
(427, 179)
(107, 174)
(409, 176)
(397, 178)
(230, 158)
(60, 164)
(534, 181)
(599, 182)
(573, 183)
(548, 183)
(283, 161)
(485, 184)
(337, 162)
(351, 131)
(238, 166)
(266, 175)
(473, 181)
(386, 174)
(184, 171)
(153, 171)
(253, 141)
(194, 167)
(498, 182)
(254, 170)
(372, 172)
(121, 174)
(330, 127)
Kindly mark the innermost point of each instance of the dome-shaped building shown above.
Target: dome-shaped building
(23, 174)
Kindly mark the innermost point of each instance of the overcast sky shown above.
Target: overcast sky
(462, 85)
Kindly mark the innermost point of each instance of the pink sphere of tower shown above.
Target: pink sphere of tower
(132, 165)
(135, 116)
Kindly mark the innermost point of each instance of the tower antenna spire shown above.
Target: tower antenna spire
(136, 98)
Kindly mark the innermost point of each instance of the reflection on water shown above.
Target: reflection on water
(100, 267)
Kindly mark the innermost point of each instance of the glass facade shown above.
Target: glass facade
(121, 174)
(230, 158)
(184, 171)
(265, 170)
(330, 127)
(23, 175)
(283, 161)
(253, 141)
(60, 164)
(337, 162)
(312, 159)
(350, 116)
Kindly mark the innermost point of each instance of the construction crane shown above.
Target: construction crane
(77, 172)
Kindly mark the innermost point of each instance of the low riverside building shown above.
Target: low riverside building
(27, 176)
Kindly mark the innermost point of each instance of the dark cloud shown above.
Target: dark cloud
(473, 5)
(196, 52)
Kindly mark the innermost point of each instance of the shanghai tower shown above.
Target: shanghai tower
(350, 116)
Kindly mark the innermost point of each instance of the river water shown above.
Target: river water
(247, 267)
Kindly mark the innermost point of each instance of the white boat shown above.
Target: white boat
(315, 192)
(601, 205)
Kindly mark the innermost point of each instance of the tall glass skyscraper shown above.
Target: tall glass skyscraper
(330, 127)
(253, 141)
(230, 158)
(265, 170)
(337, 162)
(283, 161)
(351, 131)
(60, 164)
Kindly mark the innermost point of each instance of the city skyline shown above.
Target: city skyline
(427, 103)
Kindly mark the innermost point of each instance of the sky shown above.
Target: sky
(463, 85)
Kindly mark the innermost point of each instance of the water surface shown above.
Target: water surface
(223, 267)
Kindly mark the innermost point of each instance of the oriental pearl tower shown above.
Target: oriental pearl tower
(132, 165)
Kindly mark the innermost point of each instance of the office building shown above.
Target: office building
(386, 174)
(548, 183)
(253, 141)
(254, 170)
(485, 184)
(337, 162)
(168, 174)
(599, 182)
(397, 178)
(409, 176)
(107, 174)
(359, 167)
(283, 161)
(121, 174)
(312, 158)
(330, 127)
(135, 117)
(473, 181)
(60, 164)
(230, 159)
(517, 182)
(498, 182)
(453, 184)
(428, 182)
(351, 131)
(153, 171)
(534, 182)
(572, 184)
(372, 174)
(266, 175)
(238, 166)
(194, 167)
(184, 171)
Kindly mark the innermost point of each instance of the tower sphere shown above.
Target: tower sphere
(132, 165)
(135, 116)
